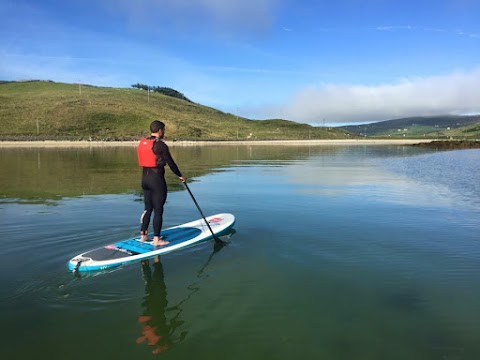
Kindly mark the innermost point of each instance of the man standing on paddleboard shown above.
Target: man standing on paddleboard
(153, 155)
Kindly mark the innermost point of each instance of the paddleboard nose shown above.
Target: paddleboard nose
(76, 262)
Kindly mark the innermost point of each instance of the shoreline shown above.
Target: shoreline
(319, 142)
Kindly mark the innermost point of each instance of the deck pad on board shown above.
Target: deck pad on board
(173, 236)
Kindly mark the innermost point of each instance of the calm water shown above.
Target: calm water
(338, 253)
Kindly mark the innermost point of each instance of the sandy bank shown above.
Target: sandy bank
(87, 144)
(301, 142)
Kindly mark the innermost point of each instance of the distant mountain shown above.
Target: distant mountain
(433, 126)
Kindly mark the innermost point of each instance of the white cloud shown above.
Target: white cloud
(456, 93)
(458, 32)
(229, 15)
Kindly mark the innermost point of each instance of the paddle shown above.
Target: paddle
(217, 240)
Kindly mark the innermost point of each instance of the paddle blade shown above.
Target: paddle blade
(219, 241)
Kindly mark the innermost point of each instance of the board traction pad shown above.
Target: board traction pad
(135, 246)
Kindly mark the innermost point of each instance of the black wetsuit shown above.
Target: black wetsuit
(155, 187)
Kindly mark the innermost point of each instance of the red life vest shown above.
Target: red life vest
(146, 156)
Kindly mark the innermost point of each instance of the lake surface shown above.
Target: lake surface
(360, 252)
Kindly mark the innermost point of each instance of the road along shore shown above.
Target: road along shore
(86, 144)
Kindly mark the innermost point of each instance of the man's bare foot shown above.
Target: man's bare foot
(144, 238)
(158, 241)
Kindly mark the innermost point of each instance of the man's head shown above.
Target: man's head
(157, 127)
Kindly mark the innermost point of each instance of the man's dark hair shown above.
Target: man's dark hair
(156, 125)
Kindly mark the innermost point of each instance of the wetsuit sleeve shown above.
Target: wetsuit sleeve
(161, 150)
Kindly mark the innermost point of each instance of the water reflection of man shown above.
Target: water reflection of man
(157, 330)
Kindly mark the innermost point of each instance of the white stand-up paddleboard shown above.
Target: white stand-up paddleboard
(131, 250)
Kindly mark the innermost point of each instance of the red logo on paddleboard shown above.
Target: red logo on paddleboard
(215, 220)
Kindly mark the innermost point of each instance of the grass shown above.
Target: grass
(49, 110)
(434, 127)
(469, 131)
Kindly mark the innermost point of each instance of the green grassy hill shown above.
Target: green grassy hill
(463, 127)
(469, 131)
(49, 110)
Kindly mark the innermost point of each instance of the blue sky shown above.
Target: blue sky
(342, 61)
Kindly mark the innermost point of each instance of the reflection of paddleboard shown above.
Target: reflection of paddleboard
(131, 250)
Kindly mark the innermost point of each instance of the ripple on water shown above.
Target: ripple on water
(65, 290)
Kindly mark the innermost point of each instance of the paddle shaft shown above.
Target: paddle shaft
(201, 213)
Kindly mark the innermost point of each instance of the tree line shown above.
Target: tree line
(162, 90)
